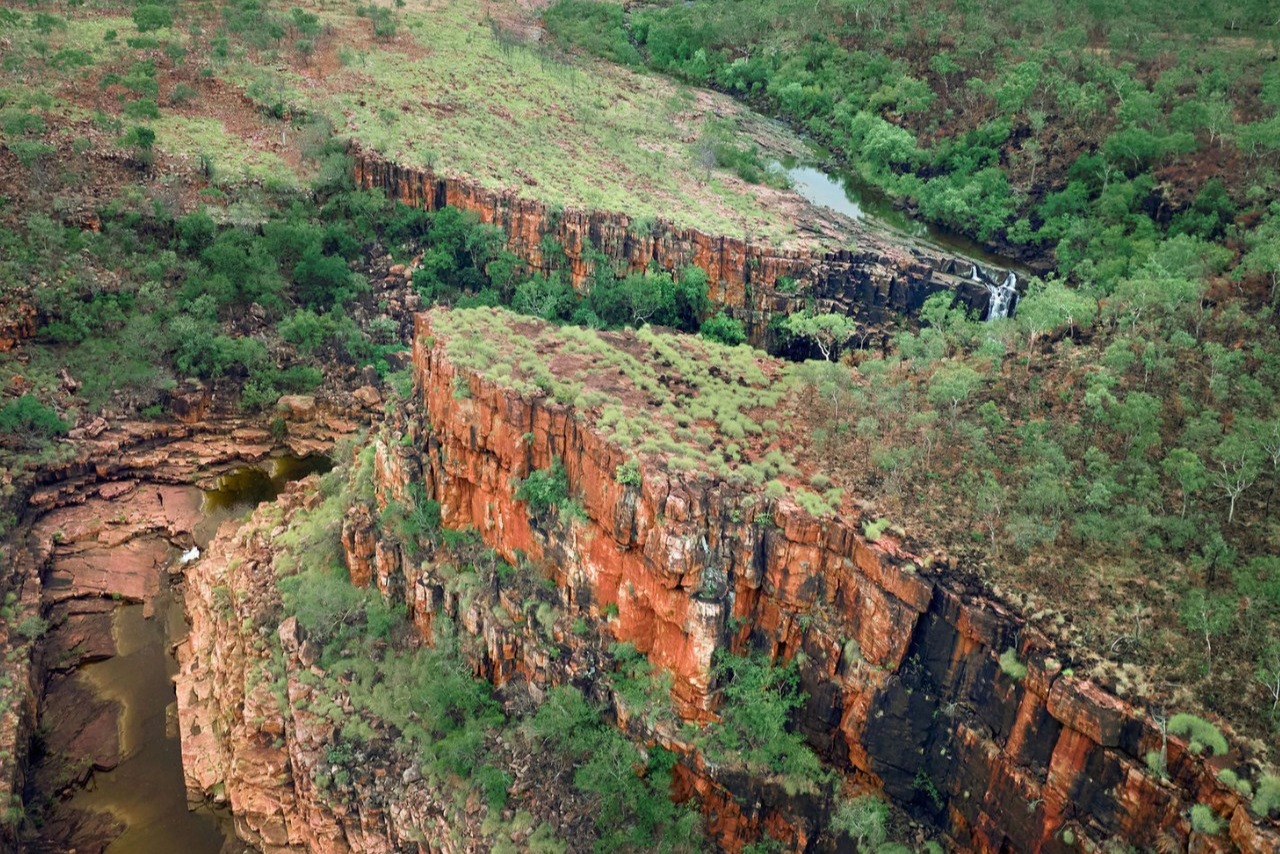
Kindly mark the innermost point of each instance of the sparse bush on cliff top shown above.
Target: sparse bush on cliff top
(1200, 733)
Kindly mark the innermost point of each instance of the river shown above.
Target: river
(146, 791)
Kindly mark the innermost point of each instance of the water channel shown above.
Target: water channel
(846, 193)
(147, 790)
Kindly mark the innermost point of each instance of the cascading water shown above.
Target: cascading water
(1004, 296)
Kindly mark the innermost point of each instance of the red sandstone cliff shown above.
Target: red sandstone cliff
(899, 659)
(900, 662)
(873, 279)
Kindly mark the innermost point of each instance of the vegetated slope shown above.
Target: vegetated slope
(1074, 129)
(1111, 451)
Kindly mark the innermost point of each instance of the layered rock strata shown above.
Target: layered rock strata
(96, 530)
(900, 660)
(899, 657)
(873, 279)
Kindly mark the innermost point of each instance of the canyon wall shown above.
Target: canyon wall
(899, 657)
(94, 531)
(875, 280)
(900, 660)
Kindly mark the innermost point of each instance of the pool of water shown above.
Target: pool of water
(846, 193)
(240, 490)
(147, 790)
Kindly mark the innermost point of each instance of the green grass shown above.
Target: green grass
(692, 405)
(469, 103)
(233, 161)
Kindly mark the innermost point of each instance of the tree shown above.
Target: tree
(863, 818)
(1268, 673)
(952, 384)
(725, 329)
(1239, 464)
(1052, 305)
(1188, 470)
(1208, 616)
(827, 331)
(150, 17)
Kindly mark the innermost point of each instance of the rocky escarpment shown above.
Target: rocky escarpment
(872, 279)
(900, 661)
(95, 531)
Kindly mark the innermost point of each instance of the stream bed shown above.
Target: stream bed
(846, 193)
(140, 784)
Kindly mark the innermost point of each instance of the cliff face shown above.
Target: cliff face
(97, 530)
(900, 662)
(898, 657)
(873, 280)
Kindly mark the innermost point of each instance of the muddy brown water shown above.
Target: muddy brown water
(147, 790)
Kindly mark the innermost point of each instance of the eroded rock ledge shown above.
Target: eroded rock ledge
(923, 708)
(899, 658)
(96, 530)
(874, 280)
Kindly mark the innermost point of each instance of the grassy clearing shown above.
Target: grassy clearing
(232, 161)
(455, 93)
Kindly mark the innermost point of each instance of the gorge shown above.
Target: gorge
(493, 427)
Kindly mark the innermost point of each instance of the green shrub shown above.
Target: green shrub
(1011, 666)
(1230, 778)
(724, 329)
(1200, 733)
(545, 490)
(1267, 799)
(1204, 820)
(628, 473)
(873, 530)
(863, 819)
(31, 421)
(148, 17)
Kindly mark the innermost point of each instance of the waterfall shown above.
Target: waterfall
(1004, 296)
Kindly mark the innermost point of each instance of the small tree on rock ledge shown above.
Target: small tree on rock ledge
(828, 331)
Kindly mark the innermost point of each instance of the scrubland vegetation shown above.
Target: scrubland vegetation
(1106, 456)
(1107, 459)
(389, 693)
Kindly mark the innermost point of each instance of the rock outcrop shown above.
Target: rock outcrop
(96, 530)
(17, 320)
(899, 656)
(874, 279)
(900, 659)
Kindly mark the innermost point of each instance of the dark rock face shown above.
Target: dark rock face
(874, 280)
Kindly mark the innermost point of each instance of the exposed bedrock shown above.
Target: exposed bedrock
(873, 279)
(98, 530)
(900, 660)
(898, 655)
